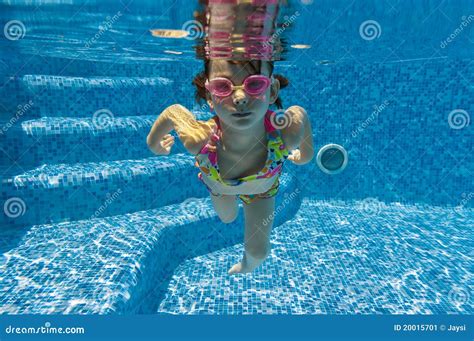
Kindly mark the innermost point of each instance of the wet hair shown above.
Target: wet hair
(254, 66)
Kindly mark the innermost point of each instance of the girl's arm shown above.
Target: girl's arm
(192, 133)
(298, 134)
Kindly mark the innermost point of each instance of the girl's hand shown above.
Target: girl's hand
(295, 156)
(298, 157)
(165, 145)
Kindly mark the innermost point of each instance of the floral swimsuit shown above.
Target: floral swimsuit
(206, 161)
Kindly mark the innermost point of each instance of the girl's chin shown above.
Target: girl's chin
(242, 123)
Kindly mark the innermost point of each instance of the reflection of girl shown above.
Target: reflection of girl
(241, 150)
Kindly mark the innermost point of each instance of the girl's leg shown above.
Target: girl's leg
(258, 225)
(226, 207)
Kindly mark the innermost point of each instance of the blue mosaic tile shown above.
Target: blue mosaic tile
(63, 192)
(109, 265)
(86, 139)
(339, 257)
(80, 96)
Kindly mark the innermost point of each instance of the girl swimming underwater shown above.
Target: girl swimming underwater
(241, 150)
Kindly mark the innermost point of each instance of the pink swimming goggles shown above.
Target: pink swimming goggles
(253, 85)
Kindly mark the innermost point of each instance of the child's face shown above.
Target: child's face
(239, 101)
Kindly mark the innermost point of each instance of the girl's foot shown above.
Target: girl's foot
(238, 269)
(248, 264)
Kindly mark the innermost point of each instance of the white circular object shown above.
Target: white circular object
(322, 161)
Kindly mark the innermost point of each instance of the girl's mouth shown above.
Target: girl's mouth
(241, 114)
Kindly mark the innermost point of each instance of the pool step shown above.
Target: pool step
(67, 192)
(70, 140)
(56, 96)
(85, 139)
(102, 60)
(112, 264)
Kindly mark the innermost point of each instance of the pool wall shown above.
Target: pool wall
(393, 121)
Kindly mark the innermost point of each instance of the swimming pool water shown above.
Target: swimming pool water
(338, 258)
(94, 223)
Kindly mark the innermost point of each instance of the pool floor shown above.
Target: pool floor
(363, 257)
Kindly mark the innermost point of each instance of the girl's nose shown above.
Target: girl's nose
(240, 98)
